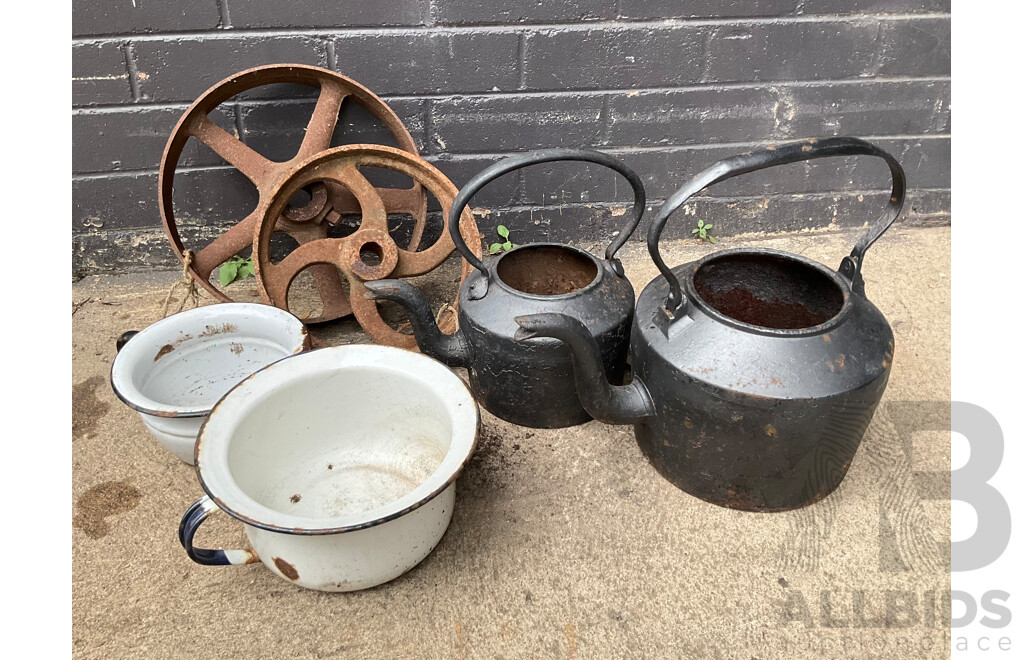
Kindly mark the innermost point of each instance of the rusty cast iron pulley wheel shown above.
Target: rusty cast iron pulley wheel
(340, 166)
(327, 202)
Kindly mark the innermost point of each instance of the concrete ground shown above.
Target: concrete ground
(564, 543)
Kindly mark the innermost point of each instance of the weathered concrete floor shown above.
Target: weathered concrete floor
(564, 543)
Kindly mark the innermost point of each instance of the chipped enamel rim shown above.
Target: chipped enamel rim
(214, 441)
(188, 326)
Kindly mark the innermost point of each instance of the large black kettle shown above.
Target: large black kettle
(530, 384)
(755, 371)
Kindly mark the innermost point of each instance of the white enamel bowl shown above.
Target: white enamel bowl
(174, 371)
(341, 463)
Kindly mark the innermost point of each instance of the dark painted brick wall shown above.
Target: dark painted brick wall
(668, 86)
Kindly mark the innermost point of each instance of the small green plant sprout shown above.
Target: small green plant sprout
(502, 247)
(701, 231)
(235, 268)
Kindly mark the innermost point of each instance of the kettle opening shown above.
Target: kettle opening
(547, 270)
(772, 291)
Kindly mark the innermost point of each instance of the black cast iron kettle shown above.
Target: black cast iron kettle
(755, 371)
(531, 384)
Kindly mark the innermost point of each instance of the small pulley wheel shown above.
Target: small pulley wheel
(340, 166)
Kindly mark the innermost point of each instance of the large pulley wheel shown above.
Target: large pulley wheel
(327, 203)
(340, 166)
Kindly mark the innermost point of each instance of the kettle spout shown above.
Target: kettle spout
(449, 349)
(612, 404)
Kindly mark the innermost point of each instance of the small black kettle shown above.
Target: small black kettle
(532, 384)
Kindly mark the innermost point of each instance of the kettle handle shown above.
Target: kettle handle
(518, 161)
(781, 155)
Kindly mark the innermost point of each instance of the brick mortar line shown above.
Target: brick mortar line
(606, 125)
(332, 55)
(224, 14)
(239, 126)
(132, 68)
(446, 157)
(521, 46)
(651, 203)
(732, 198)
(716, 145)
(709, 60)
(427, 116)
(714, 87)
(669, 148)
(435, 159)
(880, 50)
(499, 28)
(813, 196)
(432, 11)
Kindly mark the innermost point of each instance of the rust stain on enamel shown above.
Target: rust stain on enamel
(286, 569)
